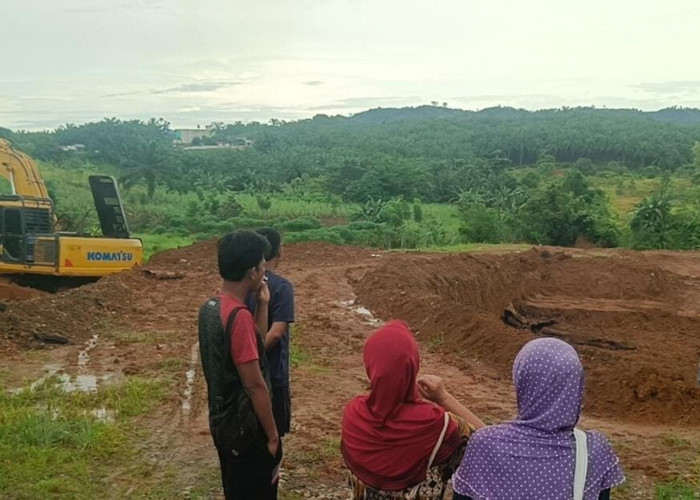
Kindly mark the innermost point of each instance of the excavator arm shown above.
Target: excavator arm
(21, 172)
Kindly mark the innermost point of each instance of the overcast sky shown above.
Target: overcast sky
(194, 62)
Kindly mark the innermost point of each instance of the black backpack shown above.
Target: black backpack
(232, 419)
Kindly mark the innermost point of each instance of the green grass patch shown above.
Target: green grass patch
(52, 445)
(135, 397)
(154, 243)
(436, 342)
(475, 248)
(331, 447)
(313, 455)
(176, 365)
(676, 490)
(675, 441)
(446, 214)
(290, 207)
(298, 355)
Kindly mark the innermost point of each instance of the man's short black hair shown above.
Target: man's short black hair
(274, 237)
(239, 252)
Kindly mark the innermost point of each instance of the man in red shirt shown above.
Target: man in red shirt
(237, 372)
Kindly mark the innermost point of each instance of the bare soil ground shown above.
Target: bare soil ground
(633, 317)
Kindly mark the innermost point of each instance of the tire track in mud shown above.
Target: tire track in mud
(190, 375)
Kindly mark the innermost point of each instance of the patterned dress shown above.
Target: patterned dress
(435, 485)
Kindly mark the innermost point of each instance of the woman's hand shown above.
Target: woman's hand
(432, 388)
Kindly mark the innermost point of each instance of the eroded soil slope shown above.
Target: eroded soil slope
(633, 317)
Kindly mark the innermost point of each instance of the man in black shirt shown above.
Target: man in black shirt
(277, 338)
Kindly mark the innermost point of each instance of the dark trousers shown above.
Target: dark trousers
(282, 409)
(249, 476)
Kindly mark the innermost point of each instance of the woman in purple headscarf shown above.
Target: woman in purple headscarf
(535, 456)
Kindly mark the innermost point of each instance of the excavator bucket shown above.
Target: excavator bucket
(109, 206)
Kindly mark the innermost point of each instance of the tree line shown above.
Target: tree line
(429, 153)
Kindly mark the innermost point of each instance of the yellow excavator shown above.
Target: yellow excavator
(31, 243)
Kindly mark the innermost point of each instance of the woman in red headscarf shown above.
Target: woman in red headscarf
(396, 444)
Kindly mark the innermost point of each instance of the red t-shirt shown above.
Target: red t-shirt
(244, 343)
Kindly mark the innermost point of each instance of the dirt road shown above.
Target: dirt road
(645, 396)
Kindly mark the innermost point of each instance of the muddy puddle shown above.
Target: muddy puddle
(189, 379)
(363, 312)
(83, 381)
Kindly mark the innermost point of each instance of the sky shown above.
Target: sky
(196, 62)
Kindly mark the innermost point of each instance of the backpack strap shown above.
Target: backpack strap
(581, 463)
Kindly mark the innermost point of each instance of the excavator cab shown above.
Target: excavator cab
(11, 233)
(26, 230)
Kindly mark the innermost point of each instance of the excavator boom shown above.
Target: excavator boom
(21, 172)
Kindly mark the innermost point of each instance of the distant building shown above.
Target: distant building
(200, 138)
(235, 144)
(203, 148)
(73, 147)
(187, 135)
(241, 142)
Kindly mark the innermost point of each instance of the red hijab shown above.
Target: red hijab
(389, 434)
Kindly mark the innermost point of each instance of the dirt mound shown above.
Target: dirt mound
(629, 316)
(72, 313)
(111, 301)
(11, 292)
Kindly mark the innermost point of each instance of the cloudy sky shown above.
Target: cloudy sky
(194, 62)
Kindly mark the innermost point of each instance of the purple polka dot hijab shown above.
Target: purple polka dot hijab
(533, 457)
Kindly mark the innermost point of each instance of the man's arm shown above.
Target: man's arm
(262, 307)
(281, 313)
(277, 331)
(255, 387)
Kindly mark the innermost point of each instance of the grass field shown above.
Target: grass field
(59, 444)
(154, 243)
(174, 219)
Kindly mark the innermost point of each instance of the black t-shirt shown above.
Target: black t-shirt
(281, 309)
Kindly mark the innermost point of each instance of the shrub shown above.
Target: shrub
(322, 234)
(482, 224)
(229, 207)
(301, 224)
(264, 203)
(555, 216)
(417, 212)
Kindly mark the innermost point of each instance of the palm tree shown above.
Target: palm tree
(148, 162)
(653, 215)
